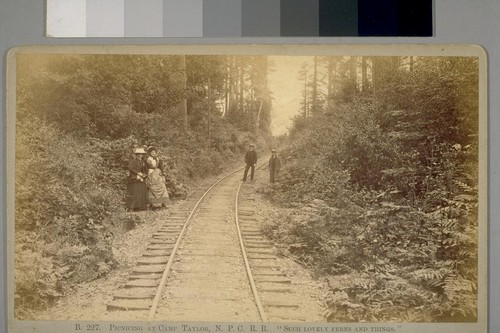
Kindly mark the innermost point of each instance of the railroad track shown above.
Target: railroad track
(210, 262)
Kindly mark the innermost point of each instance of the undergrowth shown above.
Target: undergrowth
(70, 202)
(396, 242)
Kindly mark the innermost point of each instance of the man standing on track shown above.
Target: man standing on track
(250, 160)
(274, 166)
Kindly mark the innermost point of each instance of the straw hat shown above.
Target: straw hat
(139, 151)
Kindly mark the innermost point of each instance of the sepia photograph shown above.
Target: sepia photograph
(314, 188)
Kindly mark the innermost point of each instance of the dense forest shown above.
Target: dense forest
(78, 118)
(377, 193)
(380, 186)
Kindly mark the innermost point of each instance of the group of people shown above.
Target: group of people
(274, 164)
(146, 182)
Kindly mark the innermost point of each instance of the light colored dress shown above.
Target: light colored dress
(157, 191)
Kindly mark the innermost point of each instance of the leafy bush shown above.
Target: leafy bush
(387, 259)
(64, 201)
(77, 119)
(381, 197)
(36, 281)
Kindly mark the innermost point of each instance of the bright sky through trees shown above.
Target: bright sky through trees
(286, 90)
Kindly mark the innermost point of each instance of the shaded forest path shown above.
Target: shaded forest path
(209, 267)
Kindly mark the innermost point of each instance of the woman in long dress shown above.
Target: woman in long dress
(136, 184)
(155, 181)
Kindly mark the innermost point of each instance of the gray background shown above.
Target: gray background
(138, 12)
(220, 18)
(260, 18)
(22, 22)
(99, 12)
(300, 18)
(175, 13)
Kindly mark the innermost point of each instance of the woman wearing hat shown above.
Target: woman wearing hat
(136, 187)
(157, 191)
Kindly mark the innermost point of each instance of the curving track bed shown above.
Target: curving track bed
(210, 262)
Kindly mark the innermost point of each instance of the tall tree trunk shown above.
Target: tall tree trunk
(314, 109)
(226, 87)
(232, 84)
(303, 76)
(261, 87)
(364, 75)
(257, 120)
(241, 86)
(330, 66)
(265, 83)
(255, 93)
(375, 75)
(306, 102)
(353, 75)
(183, 104)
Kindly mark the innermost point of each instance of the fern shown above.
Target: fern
(429, 274)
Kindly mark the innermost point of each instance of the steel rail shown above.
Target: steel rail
(247, 265)
(166, 272)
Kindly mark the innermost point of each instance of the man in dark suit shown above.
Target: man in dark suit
(274, 166)
(250, 160)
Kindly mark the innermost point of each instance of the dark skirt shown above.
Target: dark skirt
(137, 198)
